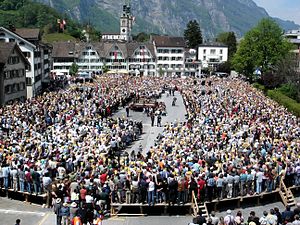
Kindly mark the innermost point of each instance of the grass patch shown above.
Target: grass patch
(291, 105)
(277, 95)
(50, 38)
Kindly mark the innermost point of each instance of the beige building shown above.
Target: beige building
(12, 73)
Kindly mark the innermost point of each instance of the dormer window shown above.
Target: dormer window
(2, 34)
(71, 53)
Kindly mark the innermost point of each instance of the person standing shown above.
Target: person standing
(127, 111)
(65, 214)
(152, 116)
(56, 209)
(159, 120)
(18, 222)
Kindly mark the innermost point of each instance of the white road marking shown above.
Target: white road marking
(10, 211)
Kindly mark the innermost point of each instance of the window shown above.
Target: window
(2, 34)
(213, 51)
(28, 81)
(15, 88)
(13, 60)
(7, 89)
(204, 51)
(221, 57)
(21, 43)
(173, 58)
(160, 50)
(22, 86)
(27, 54)
(204, 57)
(7, 74)
(221, 51)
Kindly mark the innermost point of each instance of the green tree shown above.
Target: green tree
(229, 39)
(141, 37)
(105, 68)
(73, 69)
(262, 47)
(192, 34)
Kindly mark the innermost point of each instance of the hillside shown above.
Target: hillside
(169, 17)
(28, 14)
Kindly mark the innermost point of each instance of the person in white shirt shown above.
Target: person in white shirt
(259, 178)
(151, 188)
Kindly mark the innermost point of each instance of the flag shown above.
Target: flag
(143, 54)
(116, 55)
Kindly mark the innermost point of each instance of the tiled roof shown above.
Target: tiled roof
(213, 44)
(63, 49)
(5, 51)
(132, 46)
(32, 34)
(167, 41)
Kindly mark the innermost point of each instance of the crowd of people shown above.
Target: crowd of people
(234, 142)
(272, 217)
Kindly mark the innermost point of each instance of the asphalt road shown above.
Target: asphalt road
(176, 112)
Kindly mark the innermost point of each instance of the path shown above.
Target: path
(150, 133)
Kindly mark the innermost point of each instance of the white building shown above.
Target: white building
(141, 59)
(170, 53)
(212, 54)
(294, 37)
(126, 23)
(192, 66)
(36, 53)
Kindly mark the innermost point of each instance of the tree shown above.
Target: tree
(192, 34)
(73, 69)
(141, 37)
(262, 47)
(229, 39)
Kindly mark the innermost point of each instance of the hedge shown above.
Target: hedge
(284, 100)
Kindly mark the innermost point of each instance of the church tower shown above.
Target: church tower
(126, 22)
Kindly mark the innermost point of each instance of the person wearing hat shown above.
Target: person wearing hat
(64, 212)
(228, 219)
(73, 210)
(56, 210)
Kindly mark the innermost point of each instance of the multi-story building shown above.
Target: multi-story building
(116, 56)
(141, 59)
(192, 66)
(12, 73)
(212, 54)
(36, 53)
(170, 52)
(294, 37)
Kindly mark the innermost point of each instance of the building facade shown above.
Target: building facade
(164, 56)
(12, 73)
(294, 37)
(170, 53)
(212, 54)
(37, 54)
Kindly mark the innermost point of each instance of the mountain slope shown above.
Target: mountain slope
(169, 17)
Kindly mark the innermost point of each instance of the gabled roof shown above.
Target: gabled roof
(17, 36)
(6, 49)
(132, 46)
(167, 41)
(29, 34)
(213, 44)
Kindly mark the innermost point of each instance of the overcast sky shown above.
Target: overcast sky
(284, 9)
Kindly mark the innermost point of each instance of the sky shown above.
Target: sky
(283, 9)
